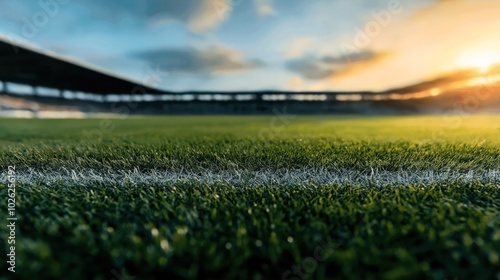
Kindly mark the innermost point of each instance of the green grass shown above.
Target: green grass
(254, 143)
(442, 230)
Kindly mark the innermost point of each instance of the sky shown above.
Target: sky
(295, 45)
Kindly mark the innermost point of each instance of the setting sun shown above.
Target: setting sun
(482, 60)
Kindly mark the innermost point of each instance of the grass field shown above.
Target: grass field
(271, 197)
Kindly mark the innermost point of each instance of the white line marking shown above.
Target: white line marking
(238, 177)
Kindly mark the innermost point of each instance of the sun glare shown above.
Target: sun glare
(482, 60)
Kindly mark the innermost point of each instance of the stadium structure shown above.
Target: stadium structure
(28, 74)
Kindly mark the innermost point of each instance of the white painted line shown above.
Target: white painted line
(301, 177)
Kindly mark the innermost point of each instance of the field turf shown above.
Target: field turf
(270, 197)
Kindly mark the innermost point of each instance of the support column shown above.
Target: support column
(4, 88)
(35, 91)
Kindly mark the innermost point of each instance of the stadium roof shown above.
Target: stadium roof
(24, 64)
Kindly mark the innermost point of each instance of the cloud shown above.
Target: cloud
(297, 47)
(351, 57)
(197, 15)
(200, 62)
(264, 7)
(325, 67)
(361, 61)
(310, 68)
(427, 43)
